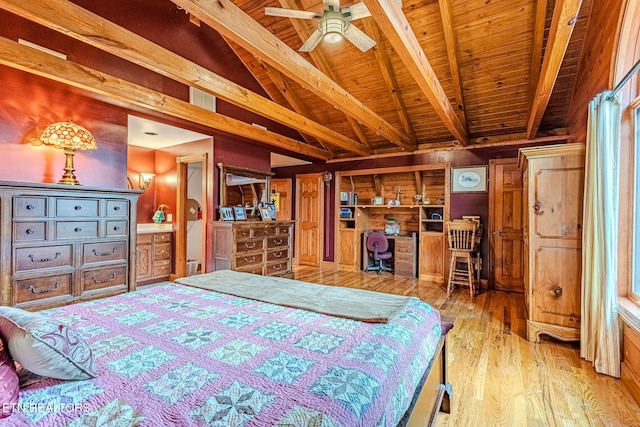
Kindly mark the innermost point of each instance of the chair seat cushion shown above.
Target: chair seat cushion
(385, 255)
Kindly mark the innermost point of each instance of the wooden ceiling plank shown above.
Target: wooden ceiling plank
(121, 92)
(389, 76)
(565, 14)
(321, 62)
(389, 17)
(231, 22)
(452, 54)
(81, 24)
(536, 50)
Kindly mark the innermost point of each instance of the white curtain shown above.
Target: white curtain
(599, 333)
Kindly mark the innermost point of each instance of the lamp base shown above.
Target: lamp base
(69, 178)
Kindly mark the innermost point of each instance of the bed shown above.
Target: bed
(190, 354)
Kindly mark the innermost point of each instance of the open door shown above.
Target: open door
(194, 165)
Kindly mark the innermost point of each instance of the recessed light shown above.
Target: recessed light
(151, 133)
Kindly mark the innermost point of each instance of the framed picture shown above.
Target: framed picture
(272, 211)
(264, 213)
(469, 179)
(226, 213)
(240, 213)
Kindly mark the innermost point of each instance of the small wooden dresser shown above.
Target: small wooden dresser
(259, 247)
(60, 244)
(153, 256)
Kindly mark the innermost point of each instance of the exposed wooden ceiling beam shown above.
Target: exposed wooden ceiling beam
(231, 22)
(81, 24)
(536, 50)
(389, 76)
(452, 54)
(565, 14)
(393, 23)
(321, 62)
(118, 91)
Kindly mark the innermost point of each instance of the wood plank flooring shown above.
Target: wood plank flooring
(498, 377)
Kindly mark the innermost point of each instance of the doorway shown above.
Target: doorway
(309, 224)
(191, 215)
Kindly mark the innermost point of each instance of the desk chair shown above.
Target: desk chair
(462, 245)
(378, 248)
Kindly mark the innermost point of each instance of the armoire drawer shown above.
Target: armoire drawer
(278, 254)
(117, 228)
(43, 257)
(276, 268)
(104, 251)
(250, 245)
(43, 287)
(276, 242)
(249, 259)
(117, 208)
(71, 207)
(76, 229)
(29, 206)
(29, 231)
(264, 231)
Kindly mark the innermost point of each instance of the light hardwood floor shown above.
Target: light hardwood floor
(498, 377)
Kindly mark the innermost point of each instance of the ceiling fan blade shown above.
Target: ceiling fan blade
(358, 38)
(311, 42)
(291, 13)
(356, 11)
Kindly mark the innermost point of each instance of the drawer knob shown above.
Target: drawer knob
(30, 207)
(77, 229)
(77, 207)
(45, 290)
(116, 228)
(30, 231)
(116, 208)
(96, 280)
(96, 253)
(34, 259)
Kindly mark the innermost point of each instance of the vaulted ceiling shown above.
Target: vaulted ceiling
(443, 73)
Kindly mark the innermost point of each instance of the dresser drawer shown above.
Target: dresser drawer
(117, 208)
(278, 254)
(264, 231)
(117, 228)
(76, 229)
(253, 269)
(276, 268)
(403, 247)
(243, 233)
(103, 278)
(249, 259)
(104, 251)
(161, 268)
(29, 231)
(275, 242)
(249, 246)
(162, 251)
(29, 206)
(284, 230)
(43, 287)
(43, 257)
(144, 238)
(162, 237)
(77, 207)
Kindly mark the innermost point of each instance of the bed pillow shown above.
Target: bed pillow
(45, 346)
(9, 383)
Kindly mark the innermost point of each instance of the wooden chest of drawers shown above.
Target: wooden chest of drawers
(61, 244)
(153, 257)
(254, 247)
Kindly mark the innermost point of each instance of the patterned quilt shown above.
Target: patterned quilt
(177, 355)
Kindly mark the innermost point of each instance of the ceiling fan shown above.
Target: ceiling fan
(334, 25)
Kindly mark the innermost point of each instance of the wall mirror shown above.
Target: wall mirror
(242, 186)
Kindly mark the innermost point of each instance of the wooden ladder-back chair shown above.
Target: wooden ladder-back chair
(462, 243)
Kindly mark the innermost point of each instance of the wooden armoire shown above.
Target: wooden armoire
(553, 178)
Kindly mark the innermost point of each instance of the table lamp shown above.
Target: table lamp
(69, 137)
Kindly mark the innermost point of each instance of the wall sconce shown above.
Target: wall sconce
(145, 180)
(69, 137)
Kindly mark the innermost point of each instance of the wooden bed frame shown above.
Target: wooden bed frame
(435, 393)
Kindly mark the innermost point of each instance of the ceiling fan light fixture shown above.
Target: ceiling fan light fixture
(333, 29)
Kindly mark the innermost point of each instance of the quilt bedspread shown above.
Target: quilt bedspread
(177, 355)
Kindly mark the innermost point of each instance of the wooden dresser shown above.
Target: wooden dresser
(259, 247)
(60, 244)
(153, 256)
(553, 183)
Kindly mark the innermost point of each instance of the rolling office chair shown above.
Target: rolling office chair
(378, 248)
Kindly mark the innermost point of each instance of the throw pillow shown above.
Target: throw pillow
(9, 383)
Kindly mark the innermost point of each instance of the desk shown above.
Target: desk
(404, 248)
